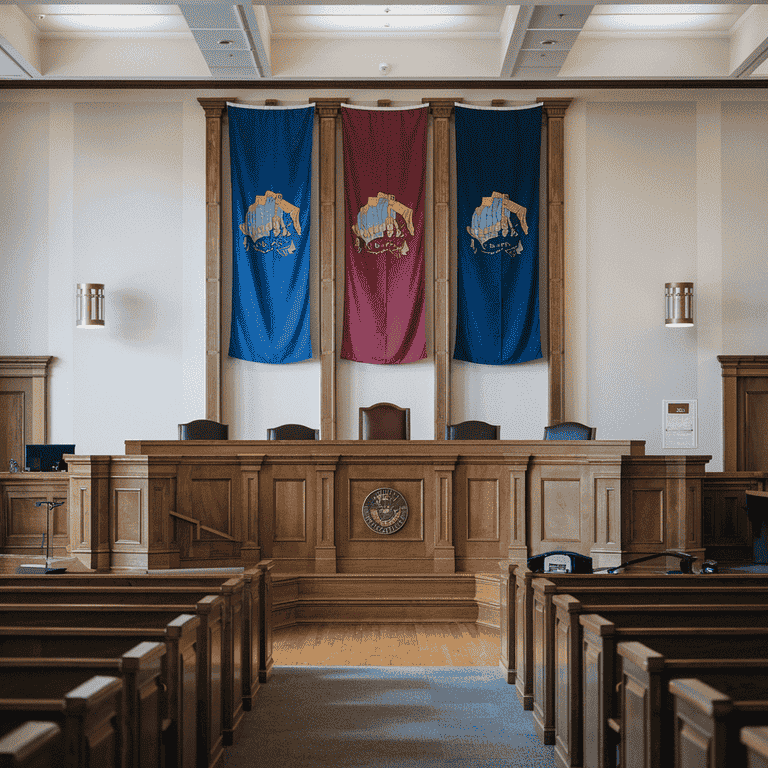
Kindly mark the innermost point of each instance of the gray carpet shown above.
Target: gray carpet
(387, 717)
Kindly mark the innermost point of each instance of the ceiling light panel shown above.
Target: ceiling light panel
(462, 24)
(646, 22)
(69, 9)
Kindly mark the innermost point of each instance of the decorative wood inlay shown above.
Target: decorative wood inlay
(271, 103)
(384, 103)
(445, 556)
(214, 114)
(441, 111)
(250, 549)
(328, 110)
(498, 102)
(325, 549)
(554, 113)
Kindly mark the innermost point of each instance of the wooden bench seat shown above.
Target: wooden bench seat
(179, 671)
(34, 744)
(142, 621)
(257, 604)
(646, 714)
(517, 607)
(557, 639)
(183, 599)
(600, 675)
(139, 670)
(708, 721)
(86, 707)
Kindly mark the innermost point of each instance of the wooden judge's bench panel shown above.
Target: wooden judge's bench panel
(168, 504)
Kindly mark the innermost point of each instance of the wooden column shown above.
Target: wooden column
(328, 110)
(214, 114)
(441, 111)
(250, 466)
(554, 114)
(325, 549)
(445, 558)
(89, 481)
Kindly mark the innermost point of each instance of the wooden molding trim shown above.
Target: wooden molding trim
(328, 110)
(27, 366)
(214, 115)
(441, 111)
(554, 112)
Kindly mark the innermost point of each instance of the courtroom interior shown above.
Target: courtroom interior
(211, 483)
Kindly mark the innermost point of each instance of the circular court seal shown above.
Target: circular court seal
(385, 510)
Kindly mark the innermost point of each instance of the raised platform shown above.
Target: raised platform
(386, 598)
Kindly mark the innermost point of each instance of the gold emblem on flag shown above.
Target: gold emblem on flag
(385, 510)
(493, 228)
(271, 224)
(382, 224)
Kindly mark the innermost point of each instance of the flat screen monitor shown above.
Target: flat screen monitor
(46, 458)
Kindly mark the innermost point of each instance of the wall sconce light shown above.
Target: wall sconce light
(90, 305)
(679, 301)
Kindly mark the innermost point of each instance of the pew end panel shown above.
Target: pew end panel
(598, 649)
(543, 661)
(756, 742)
(35, 744)
(507, 620)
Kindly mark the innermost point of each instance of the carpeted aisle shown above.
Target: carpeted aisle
(387, 717)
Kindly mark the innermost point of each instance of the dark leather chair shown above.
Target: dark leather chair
(203, 429)
(569, 430)
(472, 430)
(293, 432)
(385, 421)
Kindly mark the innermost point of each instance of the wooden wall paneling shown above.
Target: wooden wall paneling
(441, 111)
(444, 554)
(725, 528)
(325, 510)
(328, 110)
(23, 406)
(744, 448)
(661, 504)
(23, 526)
(554, 114)
(606, 535)
(214, 115)
(517, 538)
(249, 534)
(89, 510)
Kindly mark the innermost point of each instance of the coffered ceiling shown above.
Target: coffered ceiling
(221, 41)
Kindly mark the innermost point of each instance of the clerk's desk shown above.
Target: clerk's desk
(193, 503)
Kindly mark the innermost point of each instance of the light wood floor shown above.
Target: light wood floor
(375, 645)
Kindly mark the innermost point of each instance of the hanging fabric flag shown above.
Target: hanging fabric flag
(497, 174)
(385, 163)
(270, 151)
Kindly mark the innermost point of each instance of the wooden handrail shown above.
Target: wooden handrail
(198, 526)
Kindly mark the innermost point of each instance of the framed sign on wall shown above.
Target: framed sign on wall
(679, 424)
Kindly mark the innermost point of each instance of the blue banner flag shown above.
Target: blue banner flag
(497, 170)
(270, 152)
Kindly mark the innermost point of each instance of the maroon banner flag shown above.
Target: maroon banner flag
(385, 168)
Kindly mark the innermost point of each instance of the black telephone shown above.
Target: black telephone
(560, 561)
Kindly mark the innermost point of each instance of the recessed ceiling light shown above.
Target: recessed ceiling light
(225, 42)
(548, 42)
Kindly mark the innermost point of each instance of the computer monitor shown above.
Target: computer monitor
(46, 458)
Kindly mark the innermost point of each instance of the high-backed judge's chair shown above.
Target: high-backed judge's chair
(203, 429)
(293, 432)
(472, 430)
(569, 430)
(385, 421)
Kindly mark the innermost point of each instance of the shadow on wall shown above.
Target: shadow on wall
(133, 317)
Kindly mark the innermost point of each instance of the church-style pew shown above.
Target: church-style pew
(34, 744)
(179, 669)
(595, 702)
(257, 604)
(520, 665)
(645, 703)
(708, 721)
(547, 632)
(88, 709)
(182, 599)
(756, 742)
(139, 619)
(139, 670)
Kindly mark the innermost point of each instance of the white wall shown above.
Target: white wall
(109, 187)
